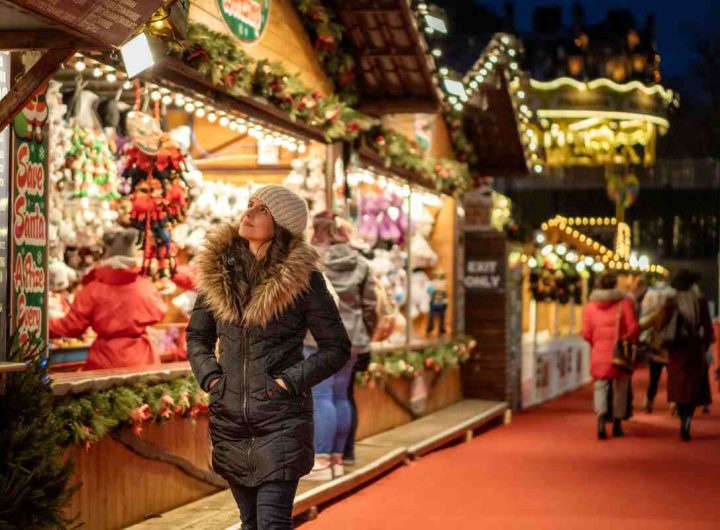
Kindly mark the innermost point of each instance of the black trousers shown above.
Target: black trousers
(361, 365)
(266, 507)
(656, 369)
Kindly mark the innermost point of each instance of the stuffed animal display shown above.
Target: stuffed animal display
(211, 202)
(307, 179)
(83, 183)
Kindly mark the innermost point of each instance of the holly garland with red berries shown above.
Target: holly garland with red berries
(450, 177)
(218, 57)
(328, 39)
(409, 364)
(88, 417)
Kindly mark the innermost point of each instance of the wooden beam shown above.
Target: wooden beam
(41, 39)
(400, 105)
(25, 89)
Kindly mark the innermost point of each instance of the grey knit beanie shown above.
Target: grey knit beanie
(288, 209)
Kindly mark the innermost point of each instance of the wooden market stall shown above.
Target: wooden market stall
(130, 473)
(558, 276)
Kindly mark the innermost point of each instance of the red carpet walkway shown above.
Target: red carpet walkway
(548, 471)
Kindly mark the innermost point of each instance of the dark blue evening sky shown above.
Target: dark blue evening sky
(677, 22)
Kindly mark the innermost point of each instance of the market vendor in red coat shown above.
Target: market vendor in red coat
(609, 316)
(118, 304)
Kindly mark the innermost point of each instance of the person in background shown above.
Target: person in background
(260, 291)
(657, 355)
(686, 330)
(118, 304)
(607, 318)
(350, 275)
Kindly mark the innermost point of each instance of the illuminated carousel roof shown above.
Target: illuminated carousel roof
(599, 122)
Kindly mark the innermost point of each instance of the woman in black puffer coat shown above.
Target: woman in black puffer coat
(260, 292)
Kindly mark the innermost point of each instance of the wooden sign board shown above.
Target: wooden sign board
(108, 21)
(29, 234)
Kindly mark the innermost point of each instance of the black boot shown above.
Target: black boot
(617, 428)
(602, 435)
(685, 430)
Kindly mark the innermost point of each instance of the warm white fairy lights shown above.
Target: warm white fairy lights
(602, 257)
(500, 58)
(192, 105)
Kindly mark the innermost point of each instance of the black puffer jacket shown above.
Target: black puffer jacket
(259, 431)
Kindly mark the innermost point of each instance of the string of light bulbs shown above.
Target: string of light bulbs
(194, 105)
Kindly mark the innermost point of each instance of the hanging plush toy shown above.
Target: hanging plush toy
(153, 172)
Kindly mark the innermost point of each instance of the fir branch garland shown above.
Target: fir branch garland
(449, 176)
(403, 364)
(220, 59)
(328, 38)
(89, 417)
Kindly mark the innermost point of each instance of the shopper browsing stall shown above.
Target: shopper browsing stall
(352, 279)
(118, 304)
(260, 291)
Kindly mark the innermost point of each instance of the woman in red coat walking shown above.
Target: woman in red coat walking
(687, 344)
(609, 316)
(118, 304)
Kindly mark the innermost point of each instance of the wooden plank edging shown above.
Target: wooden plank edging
(457, 431)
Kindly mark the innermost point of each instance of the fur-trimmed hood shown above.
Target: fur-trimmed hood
(220, 284)
(607, 295)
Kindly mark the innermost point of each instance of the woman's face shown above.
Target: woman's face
(256, 224)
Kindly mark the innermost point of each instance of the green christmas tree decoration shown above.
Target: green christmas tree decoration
(34, 475)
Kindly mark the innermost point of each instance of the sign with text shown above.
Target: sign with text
(485, 275)
(29, 221)
(246, 19)
(4, 200)
(107, 21)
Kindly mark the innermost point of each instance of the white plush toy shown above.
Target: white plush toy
(419, 296)
(60, 277)
(296, 178)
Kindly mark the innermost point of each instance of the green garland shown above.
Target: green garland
(219, 58)
(464, 149)
(449, 176)
(408, 364)
(88, 417)
(328, 38)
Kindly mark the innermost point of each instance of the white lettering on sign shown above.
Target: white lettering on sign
(482, 267)
(484, 274)
(483, 282)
